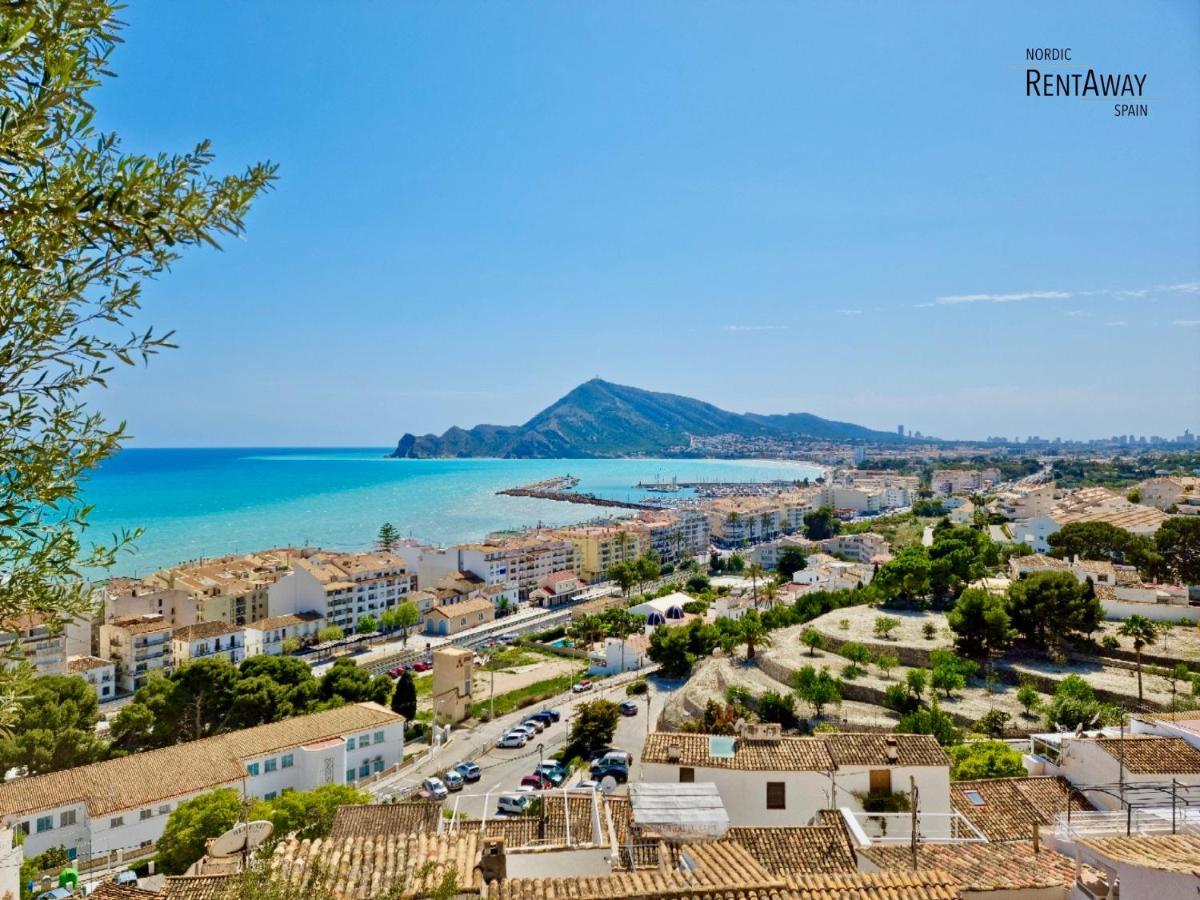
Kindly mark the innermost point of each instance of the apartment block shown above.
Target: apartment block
(267, 636)
(209, 640)
(342, 587)
(101, 674)
(137, 646)
(233, 589)
(600, 547)
(944, 482)
(522, 560)
(124, 598)
(44, 647)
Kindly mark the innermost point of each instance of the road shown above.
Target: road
(504, 768)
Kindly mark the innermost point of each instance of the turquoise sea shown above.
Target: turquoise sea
(207, 502)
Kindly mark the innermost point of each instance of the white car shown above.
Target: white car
(437, 789)
(512, 804)
(527, 730)
(513, 739)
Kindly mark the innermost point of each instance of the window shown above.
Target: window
(364, 740)
(349, 774)
(379, 737)
(687, 775)
(377, 765)
(364, 770)
(72, 854)
(165, 809)
(349, 743)
(252, 768)
(270, 795)
(116, 821)
(286, 762)
(776, 795)
(23, 827)
(974, 797)
(146, 814)
(881, 781)
(44, 823)
(67, 818)
(270, 765)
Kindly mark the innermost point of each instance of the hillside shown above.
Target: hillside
(601, 419)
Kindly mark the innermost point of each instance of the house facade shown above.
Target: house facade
(101, 674)
(444, 621)
(209, 640)
(137, 646)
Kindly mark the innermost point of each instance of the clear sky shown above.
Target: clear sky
(845, 209)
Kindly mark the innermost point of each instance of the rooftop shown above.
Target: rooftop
(1004, 809)
(86, 663)
(141, 779)
(1172, 853)
(1152, 755)
(667, 808)
(786, 753)
(982, 867)
(802, 848)
(409, 817)
(284, 621)
(204, 630)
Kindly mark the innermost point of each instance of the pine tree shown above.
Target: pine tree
(404, 697)
(388, 536)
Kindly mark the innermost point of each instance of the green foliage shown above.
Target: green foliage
(330, 633)
(193, 822)
(698, 584)
(980, 622)
(717, 718)
(929, 509)
(594, 726)
(403, 615)
(308, 814)
(366, 624)
(776, 707)
(817, 688)
(899, 698)
(789, 560)
(811, 638)
(669, 650)
(1110, 642)
(752, 632)
(984, 759)
(931, 720)
(858, 655)
(290, 645)
(885, 625)
(884, 801)
(346, 682)
(1074, 703)
(636, 688)
(1046, 607)
(820, 524)
(85, 226)
(886, 662)
(1101, 540)
(1143, 632)
(949, 672)
(916, 680)
(906, 577)
(994, 722)
(55, 727)
(1028, 697)
(388, 537)
(1178, 544)
(404, 697)
(929, 630)
(735, 564)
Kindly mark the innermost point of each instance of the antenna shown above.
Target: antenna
(241, 838)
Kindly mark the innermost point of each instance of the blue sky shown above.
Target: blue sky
(771, 206)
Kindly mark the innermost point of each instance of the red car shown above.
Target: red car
(421, 666)
(397, 671)
(537, 782)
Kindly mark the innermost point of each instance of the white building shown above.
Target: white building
(342, 587)
(522, 560)
(621, 655)
(137, 645)
(101, 674)
(209, 640)
(126, 599)
(963, 481)
(766, 778)
(863, 547)
(556, 590)
(1097, 765)
(268, 635)
(118, 808)
(1034, 531)
(44, 649)
(826, 573)
(667, 608)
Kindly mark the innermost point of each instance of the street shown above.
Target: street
(504, 768)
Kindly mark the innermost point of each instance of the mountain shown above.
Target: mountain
(601, 419)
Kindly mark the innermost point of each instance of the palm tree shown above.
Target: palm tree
(752, 633)
(1144, 633)
(755, 572)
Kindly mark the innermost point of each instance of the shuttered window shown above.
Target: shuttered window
(881, 781)
(686, 774)
(776, 795)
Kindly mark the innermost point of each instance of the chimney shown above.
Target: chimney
(1037, 837)
(493, 864)
(893, 750)
(674, 752)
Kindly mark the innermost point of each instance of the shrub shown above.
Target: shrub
(885, 625)
(931, 720)
(900, 700)
(775, 707)
(984, 759)
(1110, 642)
(993, 722)
(637, 687)
(929, 630)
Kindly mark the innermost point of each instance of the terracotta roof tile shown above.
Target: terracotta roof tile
(794, 754)
(141, 779)
(110, 891)
(982, 867)
(1010, 805)
(1171, 853)
(803, 848)
(923, 884)
(1152, 755)
(198, 887)
(368, 820)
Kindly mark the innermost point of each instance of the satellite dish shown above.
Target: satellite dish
(240, 838)
(608, 784)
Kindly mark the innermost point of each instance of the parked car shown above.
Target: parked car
(597, 752)
(537, 781)
(581, 687)
(513, 739)
(512, 804)
(527, 730)
(452, 780)
(550, 715)
(614, 758)
(468, 770)
(628, 708)
(397, 671)
(552, 771)
(421, 666)
(436, 788)
(618, 773)
(539, 724)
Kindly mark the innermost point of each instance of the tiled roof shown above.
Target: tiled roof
(198, 887)
(368, 820)
(1171, 853)
(283, 621)
(982, 867)
(1011, 805)
(203, 630)
(466, 608)
(363, 868)
(713, 866)
(141, 779)
(110, 891)
(552, 828)
(1153, 755)
(796, 754)
(86, 663)
(142, 624)
(923, 884)
(803, 848)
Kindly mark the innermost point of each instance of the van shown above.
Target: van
(614, 758)
(512, 804)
